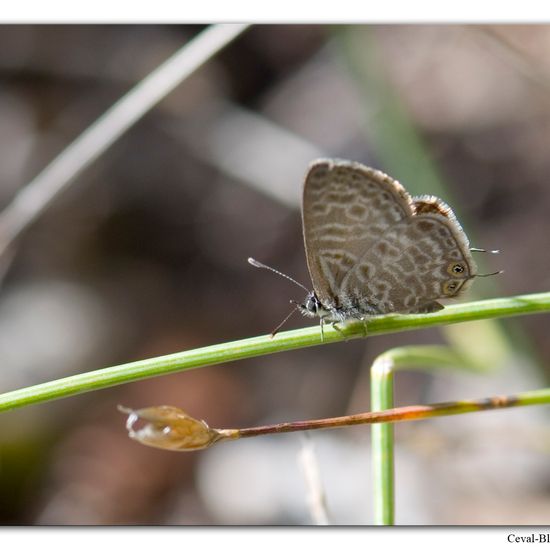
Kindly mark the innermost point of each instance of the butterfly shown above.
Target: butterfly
(372, 249)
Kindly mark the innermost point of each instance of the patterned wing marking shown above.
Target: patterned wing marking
(420, 260)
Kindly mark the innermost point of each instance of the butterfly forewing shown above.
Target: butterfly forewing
(346, 208)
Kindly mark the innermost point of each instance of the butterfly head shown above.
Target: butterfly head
(311, 306)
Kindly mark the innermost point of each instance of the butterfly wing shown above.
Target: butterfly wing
(418, 261)
(347, 208)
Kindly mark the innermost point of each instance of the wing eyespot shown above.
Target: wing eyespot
(450, 288)
(456, 268)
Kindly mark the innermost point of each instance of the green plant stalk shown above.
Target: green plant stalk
(382, 442)
(263, 345)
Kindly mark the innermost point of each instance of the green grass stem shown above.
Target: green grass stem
(263, 345)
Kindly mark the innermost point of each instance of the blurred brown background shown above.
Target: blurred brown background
(146, 253)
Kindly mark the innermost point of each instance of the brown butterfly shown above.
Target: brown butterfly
(372, 249)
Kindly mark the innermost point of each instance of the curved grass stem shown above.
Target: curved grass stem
(382, 378)
(382, 441)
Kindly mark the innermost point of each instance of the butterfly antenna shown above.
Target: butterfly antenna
(486, 274)
(483, 250)
(278, 327)
(256, 263)
(489, 274)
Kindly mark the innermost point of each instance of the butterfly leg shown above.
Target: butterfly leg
(338, 329)
(364, 321)
(322, 323)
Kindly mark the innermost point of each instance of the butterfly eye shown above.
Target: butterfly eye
(455, 269)
(311, 305)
